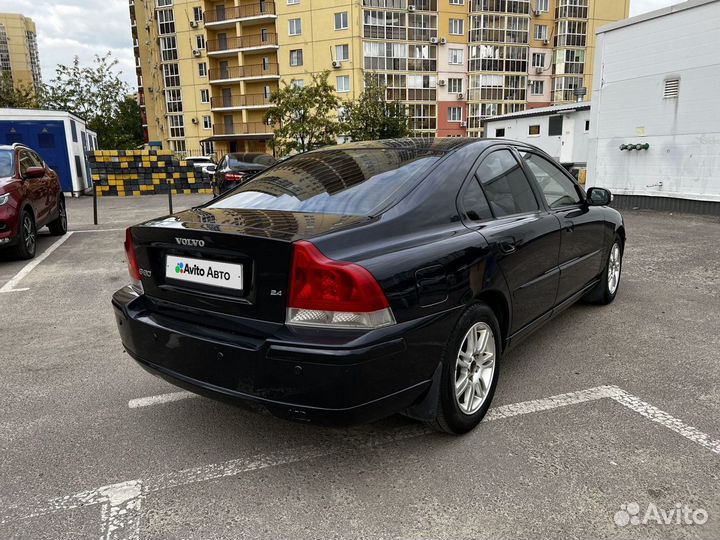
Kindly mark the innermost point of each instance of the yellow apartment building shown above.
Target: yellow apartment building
(18, 49)
(453, 62)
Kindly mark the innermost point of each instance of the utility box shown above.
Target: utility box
(62, 140)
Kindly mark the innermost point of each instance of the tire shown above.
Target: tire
(458, 414)
(27, 237)
(605, 292)
(58, 226)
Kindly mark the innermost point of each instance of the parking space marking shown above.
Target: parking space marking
(121, 504)
(161, 398)
(97, 230)
(10, 285)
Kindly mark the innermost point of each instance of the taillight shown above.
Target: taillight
(333, 294)
(133, 268)
(234, 177)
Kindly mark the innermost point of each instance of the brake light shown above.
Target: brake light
(234, 177)
(333, 294)
(133, 268)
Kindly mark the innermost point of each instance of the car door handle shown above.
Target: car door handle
(569, 226)
(507, 246)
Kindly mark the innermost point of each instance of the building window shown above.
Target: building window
(555, 125)
(541, 31)
(168, 49)
(293, 2)
(537, 88)
(456, 56)
(298, 83)
(267, 92)
(173, 100)
(457, 27)
(422, 117)
(538, 60)
(421, 26)
(457, 2)
(197, 14)
(343, 83)
(542, 5)
(455, 86)
(534, 130)
(294, 27)
(207, 122)
(296, 57)
(204, 96)
(587, 126)
(342, 53)
(164, 3)
(202, 69)
(454, 114)
(341, 21)
(177, 125)
(200, 41)
(266, 63)
(171, 74)
(500, 132)
(166, 21)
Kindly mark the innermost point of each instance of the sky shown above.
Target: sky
(69, 28)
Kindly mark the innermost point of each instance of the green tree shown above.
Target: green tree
(18, 95)
(94, 93)
(124, 130)
(372, 116)
(305, 117)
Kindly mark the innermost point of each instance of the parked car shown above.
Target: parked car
(353, 282)
(236, 168)
(30, 197)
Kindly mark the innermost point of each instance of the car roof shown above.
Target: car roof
(441, 145)
(14, 146)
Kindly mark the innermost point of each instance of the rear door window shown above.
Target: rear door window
(506, 187)
(474, 204)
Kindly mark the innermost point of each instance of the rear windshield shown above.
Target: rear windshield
(6, 163)
(348, 182)
(239, 160)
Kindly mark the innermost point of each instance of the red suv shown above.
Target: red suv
(30, 197)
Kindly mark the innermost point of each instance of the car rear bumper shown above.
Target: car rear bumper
(317, 381)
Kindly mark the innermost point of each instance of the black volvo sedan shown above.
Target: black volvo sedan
(357, 281)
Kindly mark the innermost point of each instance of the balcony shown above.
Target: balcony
(223, 17)
(232, 103)
(229, 46)
(244, 73)
(248, 130)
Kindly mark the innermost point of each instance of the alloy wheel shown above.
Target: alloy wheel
(63, 215)
(29, 233)
(474, 368)
(614, 265)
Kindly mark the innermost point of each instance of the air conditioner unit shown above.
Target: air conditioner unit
(443, 41)
(546, 41)
(194, 120)
(538, 70)
(193, 24)
(196, 53)
(336, 64)
(434, 40)
(411, 8)
(538, 12)
(461, 95)
(463, 124)
(441, 82)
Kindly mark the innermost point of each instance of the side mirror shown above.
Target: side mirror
(597, 196)
(210, 169)
(34, 172)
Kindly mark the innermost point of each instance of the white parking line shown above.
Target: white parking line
(10, 285)
(161, 398)
(97, 230)
(121, 504)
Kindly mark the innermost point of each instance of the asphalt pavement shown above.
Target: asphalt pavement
(606, 422)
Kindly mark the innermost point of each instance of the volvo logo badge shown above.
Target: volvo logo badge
(190, 242)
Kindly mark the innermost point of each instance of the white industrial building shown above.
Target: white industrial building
(655, 120)
(562, 131)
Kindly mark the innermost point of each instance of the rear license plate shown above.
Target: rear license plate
(202, 272)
